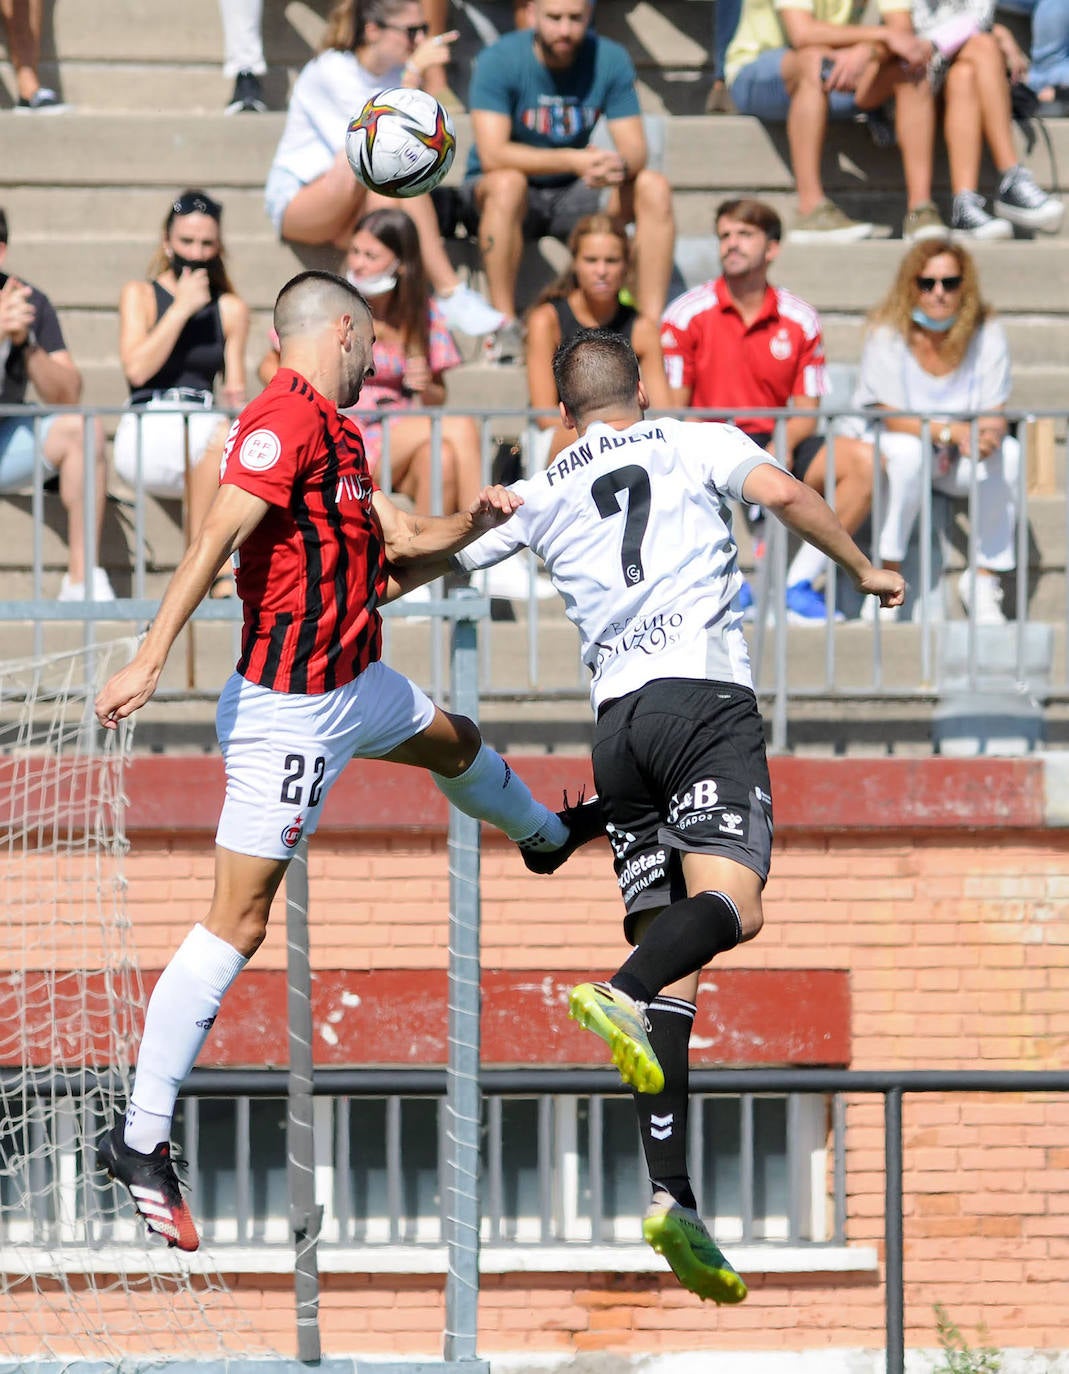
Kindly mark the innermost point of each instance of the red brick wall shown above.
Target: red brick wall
(936, 888)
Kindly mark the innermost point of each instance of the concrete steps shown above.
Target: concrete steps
(86, 46)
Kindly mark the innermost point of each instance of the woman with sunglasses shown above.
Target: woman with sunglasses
(311, 193)
(934, 348)
(177, 331)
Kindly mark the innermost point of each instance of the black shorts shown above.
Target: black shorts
(552, 211)
(680, 767)
(803, 453)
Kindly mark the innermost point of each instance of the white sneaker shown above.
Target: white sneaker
(466, 310)
(988, 596)
(100, 588)
(510, 580)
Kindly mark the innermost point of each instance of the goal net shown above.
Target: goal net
(79, 1278)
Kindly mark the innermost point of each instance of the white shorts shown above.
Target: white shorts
(284, 750)
(163, 444)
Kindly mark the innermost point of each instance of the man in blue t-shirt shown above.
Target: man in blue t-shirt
(535, 97)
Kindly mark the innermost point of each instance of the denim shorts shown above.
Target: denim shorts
(281, 187)
(16, 450)
(759, 89)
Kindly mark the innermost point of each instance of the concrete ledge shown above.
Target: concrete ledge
(402, 1259)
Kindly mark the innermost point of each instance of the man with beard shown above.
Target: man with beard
(320, 549)
(535, 98)
(739, 341)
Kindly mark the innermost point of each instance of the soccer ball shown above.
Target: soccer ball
(401, 143)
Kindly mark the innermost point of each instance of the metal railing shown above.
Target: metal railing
(205, 1085)
(537, 654)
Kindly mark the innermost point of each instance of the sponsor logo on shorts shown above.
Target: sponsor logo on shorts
(291, 834)
(762, 796)
(698, 803)
(641, 872)
(206, 1023)
(621, 840)
(731, 823)
(260, 450)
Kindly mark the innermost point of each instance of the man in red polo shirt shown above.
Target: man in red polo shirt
(739, 341)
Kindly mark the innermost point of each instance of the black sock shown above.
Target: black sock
(681, 940)
(662, 1117)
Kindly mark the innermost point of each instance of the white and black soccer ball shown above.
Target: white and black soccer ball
(402, 143)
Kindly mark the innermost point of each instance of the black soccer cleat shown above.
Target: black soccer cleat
(585, 821)
(153, 1186)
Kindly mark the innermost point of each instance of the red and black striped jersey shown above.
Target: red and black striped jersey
(310, 575)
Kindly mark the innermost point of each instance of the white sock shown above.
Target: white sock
(491, 791)
(807, 565)
(181, 1010)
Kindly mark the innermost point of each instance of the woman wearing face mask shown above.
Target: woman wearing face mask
(413, 351)
(177, 332)
(311, 194)
(587, 296)
(933, 347)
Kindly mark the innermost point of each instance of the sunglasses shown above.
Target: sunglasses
(927, 284)
(414, 31)
(193, 203)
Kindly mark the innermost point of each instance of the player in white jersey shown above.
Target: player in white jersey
(632, 523)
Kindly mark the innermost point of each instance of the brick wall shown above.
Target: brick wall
(938, 888)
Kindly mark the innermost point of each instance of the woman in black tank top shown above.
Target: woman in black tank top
(177, 332)
(587, 296)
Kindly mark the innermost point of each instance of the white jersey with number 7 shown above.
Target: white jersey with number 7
(634, 528)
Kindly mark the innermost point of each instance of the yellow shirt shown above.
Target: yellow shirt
(761, 29)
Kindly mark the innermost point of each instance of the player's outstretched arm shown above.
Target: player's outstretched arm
(232, 516)
(806, 512)
(419, 547)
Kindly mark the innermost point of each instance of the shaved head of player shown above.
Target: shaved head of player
(326, 333)
(598, 379)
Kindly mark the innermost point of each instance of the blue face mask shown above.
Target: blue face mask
(925, 321)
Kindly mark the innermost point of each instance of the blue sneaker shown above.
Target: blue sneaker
(805, 605)
(745, 599)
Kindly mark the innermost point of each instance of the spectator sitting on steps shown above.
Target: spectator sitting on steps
(177, 331)
(22, 19)
(934, 348)
(535, 97)
(803, 61)
(971, 64)
(412, 352)
(587, 296)
(243, 54)
(311, 193)
(33, 352)
(739, 342)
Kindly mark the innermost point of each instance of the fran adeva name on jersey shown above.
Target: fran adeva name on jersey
(580, 454)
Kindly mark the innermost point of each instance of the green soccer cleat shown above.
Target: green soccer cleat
(622, 1024)
(678, 1233)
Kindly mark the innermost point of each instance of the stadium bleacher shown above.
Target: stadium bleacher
(86, 192)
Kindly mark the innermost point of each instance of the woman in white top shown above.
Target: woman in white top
(935, 349)
(311, 193)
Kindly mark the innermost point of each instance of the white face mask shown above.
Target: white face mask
(373, 286)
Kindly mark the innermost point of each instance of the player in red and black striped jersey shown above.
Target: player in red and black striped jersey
(312, 572)
(320, 547)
